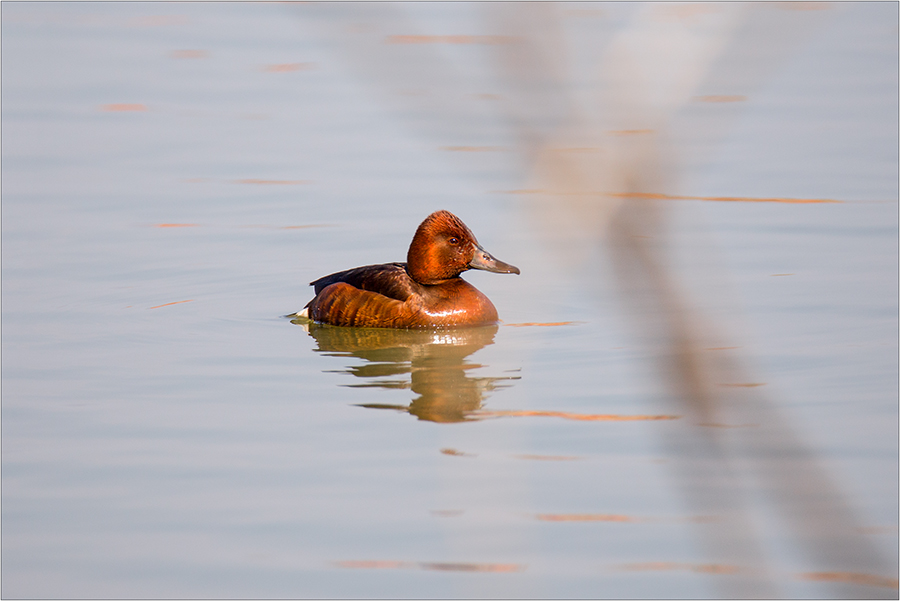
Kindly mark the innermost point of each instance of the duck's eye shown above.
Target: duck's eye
(453, 241)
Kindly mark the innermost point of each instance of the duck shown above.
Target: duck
(424, 292)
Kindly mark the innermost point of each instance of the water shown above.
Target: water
(175, 174)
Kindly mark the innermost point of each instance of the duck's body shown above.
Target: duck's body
(385, 296)
(426, 291)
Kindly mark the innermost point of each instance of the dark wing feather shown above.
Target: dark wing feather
(389, 279)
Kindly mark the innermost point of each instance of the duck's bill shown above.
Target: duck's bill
(485, 261)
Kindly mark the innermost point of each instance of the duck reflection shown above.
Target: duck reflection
(434, 359)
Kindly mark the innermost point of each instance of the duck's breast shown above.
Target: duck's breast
(456, 303)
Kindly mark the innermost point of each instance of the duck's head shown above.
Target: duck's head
(444, 247)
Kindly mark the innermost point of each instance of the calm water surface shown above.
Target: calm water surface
(174, 174)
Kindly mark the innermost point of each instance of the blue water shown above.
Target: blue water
(167, 433)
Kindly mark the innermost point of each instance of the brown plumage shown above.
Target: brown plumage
(426, 291)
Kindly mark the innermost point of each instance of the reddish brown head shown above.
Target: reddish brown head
(444, 247)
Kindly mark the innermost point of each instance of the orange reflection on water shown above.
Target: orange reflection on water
(288, 67)
(374, 565)
(852, 578)
(190, 54)
(431, 363)
(448, 39)
(575, 416)
(456, 453)
(174, 303)
(703, 568)
(585, 517)
(609, 517)
(123, 107)
(176, 225)
(473, 567)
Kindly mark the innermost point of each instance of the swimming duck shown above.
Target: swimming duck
(426, 291)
